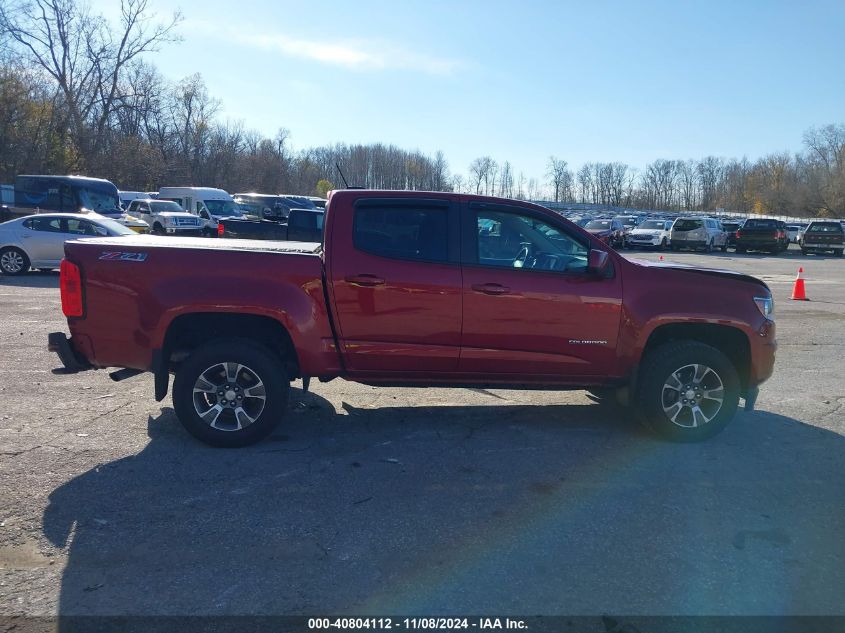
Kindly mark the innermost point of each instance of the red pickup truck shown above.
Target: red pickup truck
(414, 289)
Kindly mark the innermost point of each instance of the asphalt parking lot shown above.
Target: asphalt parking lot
(440, 501)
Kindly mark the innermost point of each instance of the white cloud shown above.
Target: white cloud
(360, 55)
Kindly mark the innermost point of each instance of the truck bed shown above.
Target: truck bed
(202, 243)
(137, 285)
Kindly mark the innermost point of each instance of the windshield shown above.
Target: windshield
(222, 208)
(300, 202)
(160, 206)
(687, 225)
(598, 224)
(98, 200)
(652, 224)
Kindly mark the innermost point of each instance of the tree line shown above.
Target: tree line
(79, 95)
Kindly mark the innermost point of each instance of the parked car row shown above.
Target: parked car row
(50, 210)
(694, 232)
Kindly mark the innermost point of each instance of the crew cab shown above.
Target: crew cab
(415, 289)
(822, 237)
(303, 225)
(762, 234)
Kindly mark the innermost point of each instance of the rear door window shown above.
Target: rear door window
(403, 232)
(46, 224)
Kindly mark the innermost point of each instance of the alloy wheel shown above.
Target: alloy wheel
(692, 395)
(229, 396)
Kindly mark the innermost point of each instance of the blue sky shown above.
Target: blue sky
(520, 81)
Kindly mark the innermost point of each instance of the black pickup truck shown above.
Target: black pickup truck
(821, 237)
(762, 234)
(302, 225)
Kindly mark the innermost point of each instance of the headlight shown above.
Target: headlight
(167, 220)
(766, 306)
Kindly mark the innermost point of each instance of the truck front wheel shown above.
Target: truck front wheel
(688, 391)
(230, 393)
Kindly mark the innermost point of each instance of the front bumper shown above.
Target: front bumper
(643, 241)
(192, 232)
(72, 361)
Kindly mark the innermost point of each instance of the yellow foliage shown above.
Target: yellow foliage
(323, 187)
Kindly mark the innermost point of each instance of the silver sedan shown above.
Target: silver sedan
(37, 241)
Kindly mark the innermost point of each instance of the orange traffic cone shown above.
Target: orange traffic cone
(798, 293)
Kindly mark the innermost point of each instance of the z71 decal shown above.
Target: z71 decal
(123, 257)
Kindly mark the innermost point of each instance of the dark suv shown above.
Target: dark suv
(611, 232)
(762, 234)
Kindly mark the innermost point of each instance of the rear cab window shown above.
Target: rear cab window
(760, 224)
(825, 227)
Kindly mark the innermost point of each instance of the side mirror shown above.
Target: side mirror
(597, 262)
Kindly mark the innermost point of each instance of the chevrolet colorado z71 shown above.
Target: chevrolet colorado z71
(414, 289)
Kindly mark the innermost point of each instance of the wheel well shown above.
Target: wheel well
(189, 331)
(732, 342)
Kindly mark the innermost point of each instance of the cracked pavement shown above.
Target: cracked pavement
(426, 501)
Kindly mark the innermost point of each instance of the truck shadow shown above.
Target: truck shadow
(452, 509)
(32, 279)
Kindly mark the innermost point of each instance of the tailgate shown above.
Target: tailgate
(134, 286)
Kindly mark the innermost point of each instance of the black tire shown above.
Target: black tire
(708, 248)
(803, 252)
(663, 244)
(257, 362)
(839, 253)
(13, 261)
(725, 247)
(741, 250)
(158, 229)
(653, 393)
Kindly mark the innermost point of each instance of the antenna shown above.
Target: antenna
(342, 177)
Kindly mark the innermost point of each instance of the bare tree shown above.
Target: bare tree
(826, 146)
(85, 56)
(560, 179)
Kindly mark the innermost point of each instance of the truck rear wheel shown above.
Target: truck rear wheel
(688, 391)
(230, 393)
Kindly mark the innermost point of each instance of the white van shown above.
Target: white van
(207, 203)
(128, 196)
